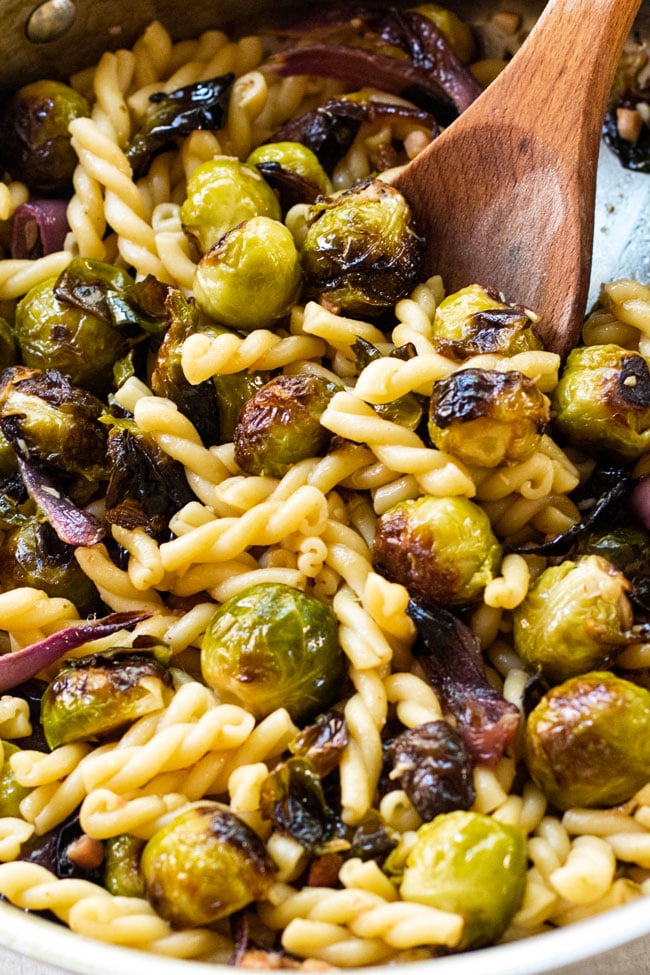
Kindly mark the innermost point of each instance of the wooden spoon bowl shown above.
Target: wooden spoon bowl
(505, 196)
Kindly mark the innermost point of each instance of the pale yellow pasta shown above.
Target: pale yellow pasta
(14, 717)
(415, 700)
(13, 833)
(587, 873)
(225, 354)
(509, 589)
(114, 584)
(18, 276)
(104, 813)
(12, 195)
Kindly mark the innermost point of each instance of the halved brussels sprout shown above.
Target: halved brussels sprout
(470, 864)
(251, 276)
(476, 320)
(204, 865)
(96, 695)
(575, 616)
(122, 873)
(221, 193)
(442, 549)
(487, 418)
(587, 742)
(293, 169)
(272, 646)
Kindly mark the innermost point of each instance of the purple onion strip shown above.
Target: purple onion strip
(38, 227)
(72, 525)
(640, 500)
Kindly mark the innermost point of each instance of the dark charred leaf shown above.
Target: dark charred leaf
(142, 305)
(450, 656)
(50, 851)
(632, 155)
(291, 186)
(73, 525)
(146, 486)
(323, 742)
(202, 105)
(432, 765)
(109, 294)
(292, 798)
(370, 839)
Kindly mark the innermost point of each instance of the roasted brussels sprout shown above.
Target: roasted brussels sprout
(221, 193)
(251, 276)
(35, 138)
(470, 864)
(280, 424)
(602, 401)
(575, 616)
(233, 392)
(8, 345)
(293, 170)
(476, 320)
(487, 418)
(627, 546)
(587, 741)
(11, 793)
(54, 334)
(122, 874)
(96, 695)
(204, 865)
(442, 549)
(361, 253)
(33, 555)
(272, 646)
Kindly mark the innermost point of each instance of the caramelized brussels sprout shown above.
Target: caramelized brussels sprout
(476, 320)
(487, 418)
(53, 334)
(122, 874)
(470, 864)
(96, 695)
(8, 345)
(233, 392)
(280, 424)
(627, 546)
(361, 253)
(35, 139)
(575, 616)
(204, 865)
(293, 169)
(33, 555)
(587, 741)
(602, 401)
(251, 276)
(442, 549)
(221, 193)
(11, 793)
(272, 646)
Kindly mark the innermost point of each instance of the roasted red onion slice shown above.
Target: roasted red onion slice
(640, 499)
(38, 227)
(72, 525)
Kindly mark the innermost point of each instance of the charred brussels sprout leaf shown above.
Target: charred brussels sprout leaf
(251, 277)
(476, 320)
(221, 194)
(280, 424)
(442, 549)
(586, 742)
(472, 865)
(293, 170)
(272, 646)
(432, 765)
(602, 401)
(204, 865)
(35, 138)
(33, 555)
(176, 113)
(487, 418)
(122, 873)
(627, 547)
(11, 793)
(292, 798)
(323, 742)
(94, 696)
(361, 253)
(574, 617)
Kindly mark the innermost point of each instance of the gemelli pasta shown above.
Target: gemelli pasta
(335, 636)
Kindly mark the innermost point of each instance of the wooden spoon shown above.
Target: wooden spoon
(505, 196)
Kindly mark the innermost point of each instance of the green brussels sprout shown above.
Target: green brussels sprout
(221, 194)
(251, 277)
(233, 392)
(33, 555)
(587, 742)
(602, 401)
(442, 549)
(456, 32)
(475, 320)
(487, 418)
(272, 646)
(204, 865)
(8, 345)
(36, 144)
(293, 169)
(99, 694)
(472, 865)
(48, 420)
(280, 424)
(54, 334)
(11, 793)
(626, 546)
(122, 874)
(361, 253)
(575, 616)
